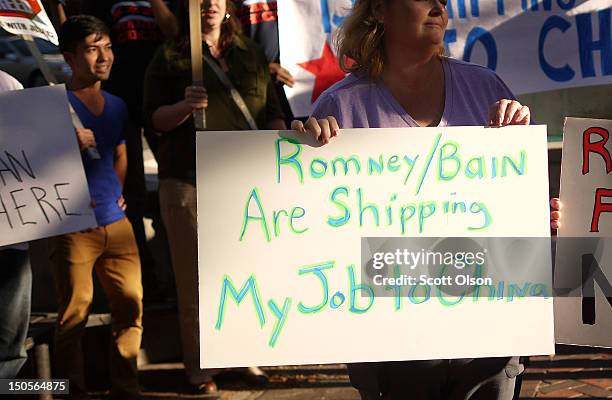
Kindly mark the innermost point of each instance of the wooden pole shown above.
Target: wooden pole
(42, 64)
(197, 71)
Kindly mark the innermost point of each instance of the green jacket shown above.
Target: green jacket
(170, 73)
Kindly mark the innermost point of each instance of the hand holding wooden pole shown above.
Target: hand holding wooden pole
(197, 71)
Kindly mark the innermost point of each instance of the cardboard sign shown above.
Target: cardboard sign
(43, 189)
(583, 265)
(534, 45)
(280, 223)
(27, 17)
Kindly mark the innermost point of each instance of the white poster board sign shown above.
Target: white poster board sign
(533, 45)
(583, 264)
(43, 189)
(280, 222)
(26, 17)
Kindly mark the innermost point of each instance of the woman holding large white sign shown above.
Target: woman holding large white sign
(399, 78)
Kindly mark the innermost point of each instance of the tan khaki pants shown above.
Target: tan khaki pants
(178, 202)
(110, 250)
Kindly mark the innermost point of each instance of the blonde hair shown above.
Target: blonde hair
(360, 41)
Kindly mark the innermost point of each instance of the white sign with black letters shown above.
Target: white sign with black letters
(43, 189)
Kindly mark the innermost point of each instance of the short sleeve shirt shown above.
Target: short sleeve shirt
(7, 82)
(108, 128)
(358, 102)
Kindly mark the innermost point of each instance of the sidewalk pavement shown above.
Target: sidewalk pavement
(573, 373)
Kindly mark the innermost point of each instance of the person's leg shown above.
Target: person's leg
(72, 258)
(414, 380)
(365, 377)
(118, 270)
(178, 209)
(15, 298)
(400, 380)
(135, 193)
(483, 378)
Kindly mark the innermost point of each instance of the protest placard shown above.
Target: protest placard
(43, 189)
(583, 264)
(288, 233)
(533, 45)
(26, 17)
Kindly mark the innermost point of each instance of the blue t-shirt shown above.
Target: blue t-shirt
(108, 129)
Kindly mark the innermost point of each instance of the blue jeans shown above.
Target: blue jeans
(15, 297)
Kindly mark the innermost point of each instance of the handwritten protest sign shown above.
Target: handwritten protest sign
(43, 190)
(583, 265)
(533, 45)
(280, 228)
(26, 17)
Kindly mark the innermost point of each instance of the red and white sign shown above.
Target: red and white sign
(583, 266)
(26, 17)
(306, 32)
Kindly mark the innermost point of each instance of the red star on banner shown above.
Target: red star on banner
(325, 69)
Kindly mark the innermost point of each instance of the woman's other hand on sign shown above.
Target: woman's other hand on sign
(322, 130)
(555, 215)
(86, 138)
(281, 74)
(508, 112)
(196, 97)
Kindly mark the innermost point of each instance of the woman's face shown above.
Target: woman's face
(414, 23)
(213, 13)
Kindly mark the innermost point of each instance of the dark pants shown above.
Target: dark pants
(459, 379)
(135, 193)
(15, 297)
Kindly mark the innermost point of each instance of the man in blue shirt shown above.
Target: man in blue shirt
(110, 249)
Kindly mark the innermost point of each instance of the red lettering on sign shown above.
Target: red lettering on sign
(595, 147)
(600, 207)
(258, 13)
(19, 8)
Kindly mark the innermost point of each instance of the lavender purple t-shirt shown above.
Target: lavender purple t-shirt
(358, 102)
